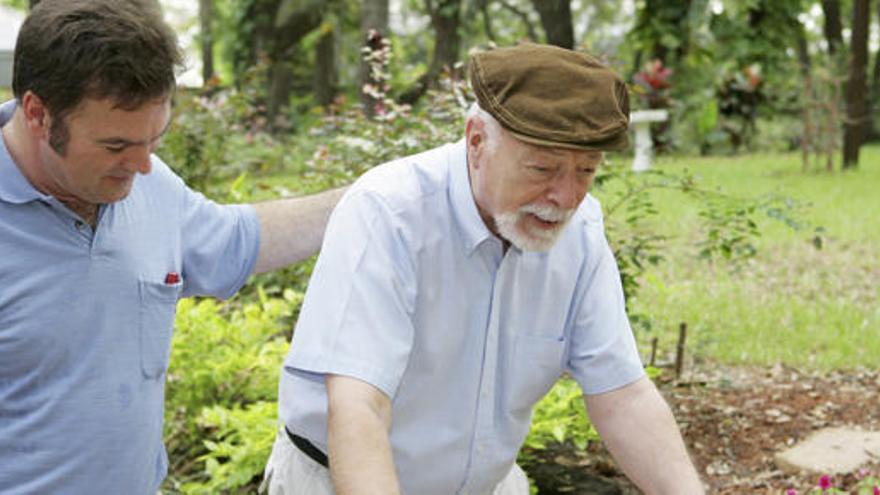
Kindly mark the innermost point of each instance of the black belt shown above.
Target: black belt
(307, 448)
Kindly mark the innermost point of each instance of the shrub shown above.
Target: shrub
(559, 417)
(241, 440)
(223, 376)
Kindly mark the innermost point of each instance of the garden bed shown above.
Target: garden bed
(734, 421)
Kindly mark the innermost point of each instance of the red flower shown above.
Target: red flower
(876, 490)
(654, 76)
(825, 482)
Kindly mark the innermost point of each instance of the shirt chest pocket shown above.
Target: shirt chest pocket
(157, 309)
(537, 366)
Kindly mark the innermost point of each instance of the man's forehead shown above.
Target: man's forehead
(104, 119)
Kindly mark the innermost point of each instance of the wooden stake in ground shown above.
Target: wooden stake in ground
(679, 350)
(653, 352)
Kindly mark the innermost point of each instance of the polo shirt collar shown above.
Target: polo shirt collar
(14, 187)
(464, 207)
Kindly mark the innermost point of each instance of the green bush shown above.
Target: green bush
(242, 441)
(222, 382)
(559, 417)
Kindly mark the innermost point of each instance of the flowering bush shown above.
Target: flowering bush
(351, 141)
(866, 484)
(653, 83)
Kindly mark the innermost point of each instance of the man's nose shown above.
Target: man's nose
(138, 159)
(566, 192)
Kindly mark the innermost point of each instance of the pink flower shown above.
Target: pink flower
(876, 490)
(825, 482)
(791, 491)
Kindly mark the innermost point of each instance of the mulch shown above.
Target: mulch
(734, 421)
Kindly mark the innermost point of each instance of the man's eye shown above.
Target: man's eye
(541, 169)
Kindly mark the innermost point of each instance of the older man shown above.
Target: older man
(456, 286)
(98, 241)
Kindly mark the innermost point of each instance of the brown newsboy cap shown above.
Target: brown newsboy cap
(551, 96)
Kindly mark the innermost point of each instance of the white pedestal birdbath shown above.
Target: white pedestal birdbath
(641, 120)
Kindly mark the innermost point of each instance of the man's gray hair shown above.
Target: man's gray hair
(490, 124)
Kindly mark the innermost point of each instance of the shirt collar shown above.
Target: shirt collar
(14, 186)
(464, 207)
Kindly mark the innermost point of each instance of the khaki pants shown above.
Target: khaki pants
(290, 472)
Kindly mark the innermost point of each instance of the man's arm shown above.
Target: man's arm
(640, 432)
(358, 421)
(292, 229)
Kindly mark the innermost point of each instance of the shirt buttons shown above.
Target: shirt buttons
(79, 224)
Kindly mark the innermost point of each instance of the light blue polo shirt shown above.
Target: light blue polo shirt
(86, 321)
(414, 295)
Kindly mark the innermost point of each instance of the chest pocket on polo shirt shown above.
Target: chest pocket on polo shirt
(538, 365)
(158, 305)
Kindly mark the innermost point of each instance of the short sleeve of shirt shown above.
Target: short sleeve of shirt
(356, 318)
(603, 354)
(219, 245)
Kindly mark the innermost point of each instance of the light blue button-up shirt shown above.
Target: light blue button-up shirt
(414, 295)
(86, 321)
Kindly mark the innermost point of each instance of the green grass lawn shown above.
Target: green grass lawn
(793, 303)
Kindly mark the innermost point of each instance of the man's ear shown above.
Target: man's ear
(475, 138)
(36, 115)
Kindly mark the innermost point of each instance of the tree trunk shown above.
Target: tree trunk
(856, 85)
(206, 37)
(875, 90)
(556, 21)
(445, 18)
(326, 76)
(803, 50)
(833, 27)
(374, 29)
(483, 7)
(280, 81)
(255, 36)
(294, 19)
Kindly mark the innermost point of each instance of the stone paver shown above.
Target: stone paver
(832, 451)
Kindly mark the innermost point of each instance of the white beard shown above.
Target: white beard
(534, 239)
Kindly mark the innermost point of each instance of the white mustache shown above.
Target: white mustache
(547, 213)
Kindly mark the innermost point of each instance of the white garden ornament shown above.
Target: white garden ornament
(641, 121)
